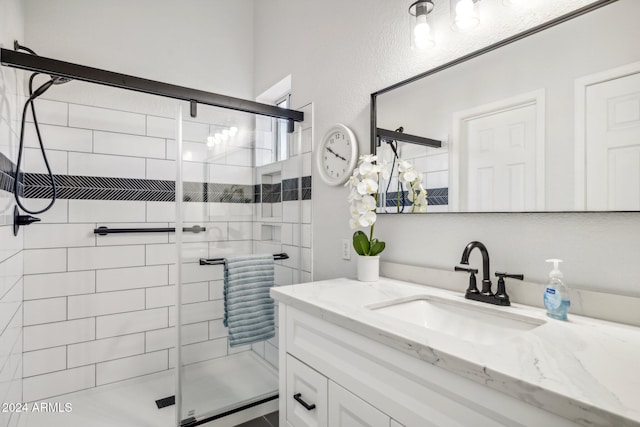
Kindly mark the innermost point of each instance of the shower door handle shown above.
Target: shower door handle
(298, 398)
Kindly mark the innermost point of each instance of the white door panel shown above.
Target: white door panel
(612, 144)
(500, 153)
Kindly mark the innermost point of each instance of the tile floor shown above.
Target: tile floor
(216, 385)
(269, 420)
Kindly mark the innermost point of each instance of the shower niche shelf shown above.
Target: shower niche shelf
(271, 233)
(271, 195)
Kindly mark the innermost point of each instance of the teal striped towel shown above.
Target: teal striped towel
(248, 308)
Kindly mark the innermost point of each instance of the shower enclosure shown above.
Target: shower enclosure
(123, 281)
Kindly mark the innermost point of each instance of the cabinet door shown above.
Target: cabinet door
(348, 410)
(306, 395)
(394, 423)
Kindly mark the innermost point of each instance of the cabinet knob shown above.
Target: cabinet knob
(298, 398)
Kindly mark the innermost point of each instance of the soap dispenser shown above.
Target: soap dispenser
(556, 293)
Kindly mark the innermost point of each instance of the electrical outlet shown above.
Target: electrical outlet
(346, 249)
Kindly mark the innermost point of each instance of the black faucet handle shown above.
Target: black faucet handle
(501, 293)
(473, 287)
(468, 270)
(510, 276)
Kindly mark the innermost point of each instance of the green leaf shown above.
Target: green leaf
(361, 243)
(376, 247)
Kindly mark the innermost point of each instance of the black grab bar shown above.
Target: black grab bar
(103, 231)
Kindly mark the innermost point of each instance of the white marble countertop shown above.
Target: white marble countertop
(585, 369)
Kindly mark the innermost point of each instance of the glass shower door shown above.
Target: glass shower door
(240, 207)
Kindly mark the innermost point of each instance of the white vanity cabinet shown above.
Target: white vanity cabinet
(316, 401)
(354, 381)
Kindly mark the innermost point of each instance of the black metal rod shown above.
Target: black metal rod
(103, 231)
(53, 67)
(220, 261)
(405, 137)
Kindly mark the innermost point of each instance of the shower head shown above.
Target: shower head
(60, 80)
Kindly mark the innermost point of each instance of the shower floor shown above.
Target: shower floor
(213, 386)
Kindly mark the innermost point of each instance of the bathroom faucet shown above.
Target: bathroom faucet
(500, 297)
(486, 281)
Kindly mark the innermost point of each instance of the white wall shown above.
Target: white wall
(203, 44)
(338, 54)
(11, 254)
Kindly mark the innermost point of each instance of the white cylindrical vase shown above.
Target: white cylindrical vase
(368, 268)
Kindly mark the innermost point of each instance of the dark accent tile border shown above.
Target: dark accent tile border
(438, 196)
(291, 188)
(6, 182)
(306, 188)
(290, 184)
(38, 186)
(256, 193)
(7, 168)
(103, 188)
(286, 191)
(271, 193)
(435, 197)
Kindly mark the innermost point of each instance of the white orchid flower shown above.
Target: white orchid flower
(353, 181)
(362, 209)
(369, 202)
(368, 158)
(365, 169)
(403, 165)
(367, 186)
(353, 223)
(354, 195)
(367, 219)
(355, 212)
(410, 176)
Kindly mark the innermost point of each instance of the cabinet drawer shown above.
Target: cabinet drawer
(347, 410)
(305, 386)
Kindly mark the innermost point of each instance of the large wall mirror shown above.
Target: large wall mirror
(549, 122)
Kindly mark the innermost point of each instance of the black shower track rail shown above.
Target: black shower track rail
(54, 67)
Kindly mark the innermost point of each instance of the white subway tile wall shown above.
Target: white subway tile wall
(101, 309)
(11, 247)
(288, 227)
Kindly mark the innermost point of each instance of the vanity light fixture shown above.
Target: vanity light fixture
(464, 14)
(421, 37)
(513, 2)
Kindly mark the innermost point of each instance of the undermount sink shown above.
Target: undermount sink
(464, 321)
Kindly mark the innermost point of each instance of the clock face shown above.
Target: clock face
(337, 155)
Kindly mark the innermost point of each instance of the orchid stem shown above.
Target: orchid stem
(372, 226)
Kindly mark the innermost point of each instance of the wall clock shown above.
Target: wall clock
(337, 155)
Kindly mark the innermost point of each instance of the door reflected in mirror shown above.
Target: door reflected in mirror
(550, 122)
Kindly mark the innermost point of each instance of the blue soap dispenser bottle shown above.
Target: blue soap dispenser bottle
(556, 293)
